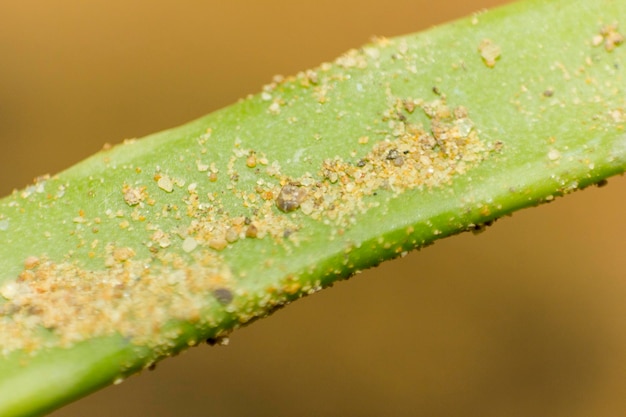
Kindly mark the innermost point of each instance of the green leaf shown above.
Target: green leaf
(159, 244)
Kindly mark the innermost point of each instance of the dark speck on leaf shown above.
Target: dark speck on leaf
(223, 295)
(393, 154)
(290, 197)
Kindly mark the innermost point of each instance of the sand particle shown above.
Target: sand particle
(489, 52)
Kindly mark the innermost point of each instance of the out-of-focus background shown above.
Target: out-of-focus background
(526, 319)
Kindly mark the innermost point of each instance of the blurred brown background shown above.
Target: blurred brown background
(527, 319)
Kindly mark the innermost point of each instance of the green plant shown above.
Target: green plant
(414, 163)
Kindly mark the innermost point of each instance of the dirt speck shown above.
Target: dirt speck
(123, 254)
(223, 295)
(189, 244)
(31, 262)
(251, 160)
(554, 155)
(489, 52)
(165, 183)
(290, 197)
(609, 37)
(218, 243)
(133, 195)
(274, 108)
